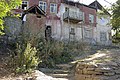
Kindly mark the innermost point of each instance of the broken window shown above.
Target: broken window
(53, 8)
(42, 5)
(24, 5)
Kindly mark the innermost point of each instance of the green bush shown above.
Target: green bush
(25, 59)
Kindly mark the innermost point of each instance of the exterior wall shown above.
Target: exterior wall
(35, 26)
(33, 2)
(79, 28)
(103, 27)
(66, 25)
(88, 11)
(56, 28)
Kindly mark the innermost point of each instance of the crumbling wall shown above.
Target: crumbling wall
(12, 27)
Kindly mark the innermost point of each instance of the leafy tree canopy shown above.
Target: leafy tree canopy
(116, 16)
(5, 7)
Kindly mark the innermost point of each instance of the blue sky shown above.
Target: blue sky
(102, 2)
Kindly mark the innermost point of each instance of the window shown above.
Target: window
(72, 34)
(66, 9)
(42, 5)
(110, 36)
(103, 36)
(72, 31)
(24, 5)
(83, 16)
(88, 34)
(53, 8)
(91, 18)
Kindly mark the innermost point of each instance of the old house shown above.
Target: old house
(69, 21)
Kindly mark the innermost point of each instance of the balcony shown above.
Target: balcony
(72, 16)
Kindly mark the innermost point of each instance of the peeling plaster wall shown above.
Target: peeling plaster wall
(66, 26)
(103, 26)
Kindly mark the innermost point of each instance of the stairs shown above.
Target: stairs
(61, 72)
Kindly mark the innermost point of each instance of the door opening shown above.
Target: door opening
(48, 33)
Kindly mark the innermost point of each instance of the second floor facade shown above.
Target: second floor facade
(64, 9)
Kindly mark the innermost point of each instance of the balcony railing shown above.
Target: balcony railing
(72, 16)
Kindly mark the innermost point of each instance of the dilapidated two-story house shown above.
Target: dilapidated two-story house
(67, 20)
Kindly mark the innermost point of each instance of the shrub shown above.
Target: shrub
(48, 52)
(25, 59)
(56, 52)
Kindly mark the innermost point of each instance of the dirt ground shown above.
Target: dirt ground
(110, 54)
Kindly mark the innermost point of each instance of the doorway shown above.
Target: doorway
(48, 33)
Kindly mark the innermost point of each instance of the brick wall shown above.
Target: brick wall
(34, 25)
(88, 11)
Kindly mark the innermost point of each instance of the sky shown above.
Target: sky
(102, 2)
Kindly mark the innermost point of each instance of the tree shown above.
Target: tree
(5, 7)
(116, 18)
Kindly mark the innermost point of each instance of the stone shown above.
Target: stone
(90, 69)
(19, 79)
(79, 71)
(80, 77)
(29, 78)
(88, 72)
(109, 74)
(44, 78)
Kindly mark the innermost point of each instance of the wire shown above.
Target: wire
(108, 2)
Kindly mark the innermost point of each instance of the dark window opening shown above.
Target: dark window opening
(24, 6)
(66, 9)
(48, 33)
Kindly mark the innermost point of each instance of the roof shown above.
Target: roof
(97, 5)
(35, 10)
(71, 2)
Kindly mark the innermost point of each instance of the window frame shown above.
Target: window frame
(91, 18)
(88, 33)
(83, 16)
(54, 8)
(103, 36)
(24, 2)
(44, 7)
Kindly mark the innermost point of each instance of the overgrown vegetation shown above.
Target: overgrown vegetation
(56, 52)
(5, 7)
(25, 59)
(116, 21)
(53, 52)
